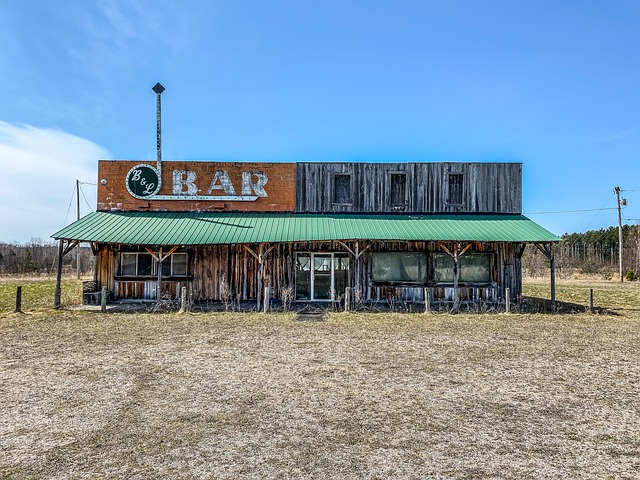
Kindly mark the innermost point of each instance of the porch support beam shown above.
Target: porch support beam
(159, 258)
(455, 255)
(62, 251)
(56, 297)
(548, 251)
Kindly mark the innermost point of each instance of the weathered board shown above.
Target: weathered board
(486, 187)
(237, 267)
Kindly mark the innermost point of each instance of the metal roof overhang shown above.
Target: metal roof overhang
(207, 228)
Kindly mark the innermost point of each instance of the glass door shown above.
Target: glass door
(321, 276)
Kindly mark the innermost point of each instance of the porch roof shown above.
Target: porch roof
(206, 228)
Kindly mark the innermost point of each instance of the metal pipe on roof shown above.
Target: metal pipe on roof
(158, 89)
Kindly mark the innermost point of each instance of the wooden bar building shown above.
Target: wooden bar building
(449, 233)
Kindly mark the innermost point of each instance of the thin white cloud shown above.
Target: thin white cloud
(38, 170)
(620, 134)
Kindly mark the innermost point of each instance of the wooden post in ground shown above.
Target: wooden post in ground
(552, 262)
(347, 299)
(57, 294)
(103, 299)
(427, 301)
(591, 300)
(507, 300)
(456, 290)
(159, 281)
(267, 299)
(183, 299)
(18, 299)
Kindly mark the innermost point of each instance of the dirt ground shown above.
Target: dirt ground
(385, 396)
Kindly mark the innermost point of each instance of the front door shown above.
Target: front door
(321, 276)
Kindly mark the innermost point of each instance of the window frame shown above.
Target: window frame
(461, 259)
(167, 262)
(460, 191)
(349, 196)
(382, 282)
(395, 205)
(334, 255)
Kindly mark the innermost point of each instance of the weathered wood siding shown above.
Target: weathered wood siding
(239, 269)
(487, 187)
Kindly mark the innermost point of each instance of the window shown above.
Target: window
(342, 188)
(136, 264)
(399, 267)
(473, 268)
(455, 188)
(398, 189)
(140, 264)
(178, 265)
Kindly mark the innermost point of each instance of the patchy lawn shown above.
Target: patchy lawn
(139, 396)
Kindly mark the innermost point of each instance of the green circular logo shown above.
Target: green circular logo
(143, 181)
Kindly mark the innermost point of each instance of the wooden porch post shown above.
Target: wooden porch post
(548, 251)
(259, 283)
(552, 266)
(456, 276)
(159, 285)
(57, 294)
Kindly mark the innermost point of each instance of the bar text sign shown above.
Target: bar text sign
(181, 185)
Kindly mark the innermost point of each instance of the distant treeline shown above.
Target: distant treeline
(39, 257)
(594, 251)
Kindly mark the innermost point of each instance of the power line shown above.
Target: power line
(85, 198)
(569, 211)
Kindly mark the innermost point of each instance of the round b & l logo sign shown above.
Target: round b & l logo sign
(143, 181)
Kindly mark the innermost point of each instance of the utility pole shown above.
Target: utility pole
(78, 218)
(618, 190)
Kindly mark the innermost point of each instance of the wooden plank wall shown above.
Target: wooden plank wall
(239, 268)
(487, 187)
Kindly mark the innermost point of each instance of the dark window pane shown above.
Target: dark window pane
(398, 183)
(303, 276)
(475, 268)
(455, 189)
(442, 267)
(342, 189)
(472, 267)
(321, 276)
(400, 267)
(340, 272)
(178, 264)
(128, 263)
(145, 262)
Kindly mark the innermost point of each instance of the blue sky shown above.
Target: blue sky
(552, 84)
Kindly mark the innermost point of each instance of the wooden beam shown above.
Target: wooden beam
(57, 294)
(255, 255)
(545, 249)
(344, 245)
(443, 247)
(152, 253)
(70, 246)
(469, 245)
(552, 267)
(159, 259)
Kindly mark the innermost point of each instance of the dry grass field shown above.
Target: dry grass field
(85, 395)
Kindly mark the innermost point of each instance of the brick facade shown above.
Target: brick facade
(279, 187)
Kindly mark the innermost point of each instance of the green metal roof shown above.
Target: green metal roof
(205, 228)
